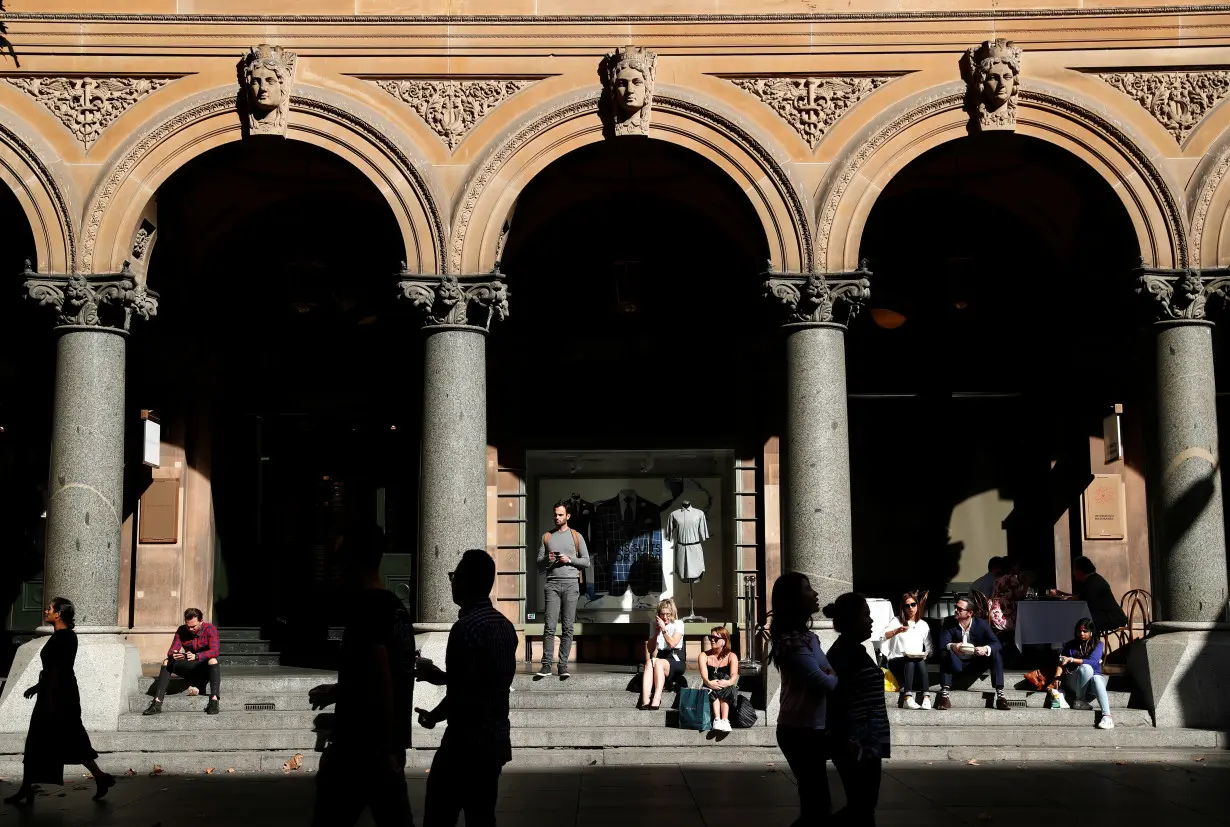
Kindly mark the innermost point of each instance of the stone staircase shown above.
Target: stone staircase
(592, 719)
(244, 646)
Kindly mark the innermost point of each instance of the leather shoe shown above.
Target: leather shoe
(1002, 703)
(944, 702)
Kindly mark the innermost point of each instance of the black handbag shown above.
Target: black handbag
(745, 713)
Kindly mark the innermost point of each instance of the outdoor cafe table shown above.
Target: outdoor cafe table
(1047, 621)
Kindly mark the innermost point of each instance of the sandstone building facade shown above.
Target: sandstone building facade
(865, 283)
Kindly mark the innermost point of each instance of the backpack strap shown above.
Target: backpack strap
(576, 547)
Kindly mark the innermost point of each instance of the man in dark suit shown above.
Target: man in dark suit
(969, 645)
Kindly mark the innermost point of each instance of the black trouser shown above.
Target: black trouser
(861, 781)
(459, 782)
(350, 781)
(188, 669)
(806, 752)
(911, 673)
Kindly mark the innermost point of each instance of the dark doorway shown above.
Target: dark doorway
(1002, 330)
(282, 347)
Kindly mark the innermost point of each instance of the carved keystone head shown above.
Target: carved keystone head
(266, 75)
(627, 76)
(992, 73)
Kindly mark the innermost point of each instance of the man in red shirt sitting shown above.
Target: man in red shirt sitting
(194, 648)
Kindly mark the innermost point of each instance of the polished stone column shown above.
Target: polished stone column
(816, 497)
(1189, 524)
(1183, 665)
(457, 313)
(85, 508)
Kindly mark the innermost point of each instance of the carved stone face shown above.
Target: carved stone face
(630, 90)
(998, 83)
(265, 88)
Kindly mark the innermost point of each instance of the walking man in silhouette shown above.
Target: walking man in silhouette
(365, 762)
(480, 661)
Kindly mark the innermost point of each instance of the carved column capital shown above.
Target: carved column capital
(456, 301)
(105, 301)
(1182, 295)
(832, 299)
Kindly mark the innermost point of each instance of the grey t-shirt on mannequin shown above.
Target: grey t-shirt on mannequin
(687, 528)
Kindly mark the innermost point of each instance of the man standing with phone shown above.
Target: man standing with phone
(194, 648)
(562, 559)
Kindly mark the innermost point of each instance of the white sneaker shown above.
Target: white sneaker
(926, 704)
(1106, 723)
(910, 703)
(724, 725)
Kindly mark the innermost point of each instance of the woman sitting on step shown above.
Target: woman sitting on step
(664, 658)
(719, 672)
(907, 645)
(1080, 668)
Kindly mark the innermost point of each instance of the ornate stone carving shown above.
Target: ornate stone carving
(627, 76)
(814, 298)
(992, 75)
(266, 79)
(452, 107)
(107, 300)
(471, 301)
(811, 105)
(1178, 100)
(87, 106)
(1182, 295)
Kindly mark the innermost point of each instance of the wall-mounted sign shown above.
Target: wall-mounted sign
(1105, 508)
(151, 441)
(1112, 436)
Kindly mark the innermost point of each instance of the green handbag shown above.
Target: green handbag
(695, 710)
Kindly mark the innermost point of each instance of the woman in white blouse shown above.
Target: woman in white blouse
(907, 645)
(663, 654)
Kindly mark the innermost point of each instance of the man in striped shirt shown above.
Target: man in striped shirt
(480, 661)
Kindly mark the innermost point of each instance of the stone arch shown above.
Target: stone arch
(569, 123)
(1208, 199)
(344, 127)
(42, 197)
(848, 193)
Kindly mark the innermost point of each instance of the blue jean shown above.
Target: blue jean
(1079, 681)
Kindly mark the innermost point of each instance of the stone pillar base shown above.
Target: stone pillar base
(1183, 669)
(431, 639)
(108, 670)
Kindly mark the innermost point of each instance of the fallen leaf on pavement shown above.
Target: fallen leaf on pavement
(1200, 759)
(295, 762)
(983, 817)
(157, 770)
(209, 770)
(131, 772)
(230, 769)
(973, 762)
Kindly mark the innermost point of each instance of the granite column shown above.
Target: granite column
(457, 312)
(816, 497)
(1184, 662)
(86, 485)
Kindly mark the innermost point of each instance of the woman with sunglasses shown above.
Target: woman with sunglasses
(719, 671)
(907, 645)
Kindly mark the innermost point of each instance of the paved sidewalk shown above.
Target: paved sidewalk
(940, 794)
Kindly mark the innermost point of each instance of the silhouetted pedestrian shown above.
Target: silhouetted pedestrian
(857, 718)
(56, 736)
(807, 680)
(365, 762)
(480, 662)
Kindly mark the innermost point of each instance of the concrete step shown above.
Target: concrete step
(171, 741)
(1015, 679)
(587, 681)
(582, 737)
(632, 717)
(1032, 699)
(227, 719)
(248, 679)
(263, 659)
(1003, 737)
(231, 701)
(581, 697)
(239, 633)
(244, 646)
(1031, 717)
(185, 763)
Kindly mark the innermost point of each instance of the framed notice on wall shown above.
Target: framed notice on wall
(1105, 508)
(159, 512)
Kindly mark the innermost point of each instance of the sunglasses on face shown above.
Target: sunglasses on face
(961, 611)
(910, 605)
(715, 638)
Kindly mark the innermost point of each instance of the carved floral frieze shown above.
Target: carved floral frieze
(87, 106)
(810, 105)
(452, 107)
(1177, 100)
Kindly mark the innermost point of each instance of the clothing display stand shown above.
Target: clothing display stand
(693, 617)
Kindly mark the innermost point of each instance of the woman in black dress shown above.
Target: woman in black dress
(57, 736)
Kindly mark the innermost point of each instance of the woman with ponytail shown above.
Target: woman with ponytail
(57, 736)
(807, 680)
(1080, 668)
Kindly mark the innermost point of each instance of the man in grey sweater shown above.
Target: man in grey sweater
(562, 557)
